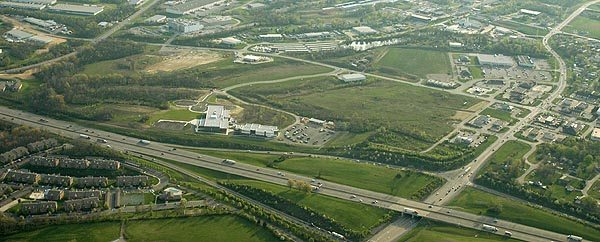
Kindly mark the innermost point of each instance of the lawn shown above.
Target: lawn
(206, 228)
(173, 114)
(415, 62)
(435, 231)
(476, 72)
(478, 202)
(366, 176)
(585, 26)
(88, 232)
(500, 114)
(511, 152)
(402, 109)
(525, 29)
(353, 215)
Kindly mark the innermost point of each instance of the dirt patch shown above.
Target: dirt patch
(477, 106)
(440, 77)
(23, 76)
(170, 125)
(184, 60)
(461, 115)
(28, 28)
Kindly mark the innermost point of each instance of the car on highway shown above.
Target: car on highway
(352, 196)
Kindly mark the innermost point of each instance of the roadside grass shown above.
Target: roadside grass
(399, 107)
(173, 114)
(350, 214)
(500, 114)
(525, 29)
(590, 27)
(88, 232)
(524, 112)
(512, 151)
(205, 228)
(343, 138)
(416, 61)
(354, 215)
(479, 202)
(428, 230)
(361, 175)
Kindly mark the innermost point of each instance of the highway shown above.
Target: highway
(131, 145)
(462, 179)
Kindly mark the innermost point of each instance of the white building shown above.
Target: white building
(16, 35)
(184, 25)
(258, 130)
(136, 2)
(596, 134)
(495, 60)
(31, 6)
(87, 10)
(216, 120)
(191, 6)
(271, 36)
(530, 12)
(43, 2)
(352, 77)
(172, 194)
(364, 30)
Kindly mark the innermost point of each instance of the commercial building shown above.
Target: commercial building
(42, 2)
(364, 30)
(421, 18)
(271, 36)
(529, 12)
(189, 7)
(258, 130)
(495, 60)
(156, 19)
(136, 2)
(30, 6)
(184, 25)
(16, 35)
(39, 207)
(88, 10)
(216, 120)
(315, 35)
(171, 194)
(47, 24)
(231, 41)
(525, 61)
(355, 77)
(596, 134)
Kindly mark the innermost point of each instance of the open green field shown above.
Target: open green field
(511, 153)
(366, 176)
(352, 215)
(585, 26)
(173, 114)
(414, 62)
(525, 29)
(436, 231)
(88, 232)
(206, 228)
(500, 114)
(476, 72)
(402, 109)
(478, 202)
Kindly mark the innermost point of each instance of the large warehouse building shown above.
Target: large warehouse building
(495, 60)
(216, 120)
(87, 10)
(258, 130)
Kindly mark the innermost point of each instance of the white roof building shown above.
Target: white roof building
(364, 30)
(530, 12)
(22, 5)
(135, 2)
(216, 120)
(43, 2)
(495, 60)
(231, 41)
(18, 35)
(355, 77)
(270, 36)
(258, 130)
(77, 9)
(596, 134)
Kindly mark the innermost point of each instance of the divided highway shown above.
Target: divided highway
(129, 144)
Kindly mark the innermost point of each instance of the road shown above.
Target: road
(129, 144)
(99, 38)
(457, 183)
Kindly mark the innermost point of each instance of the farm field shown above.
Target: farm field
(585, 26)
(206, 228)
(421, 62)
(436, 231)
(353, 215)
(85, 232)
(400, 108)
(479, 202)
(366, 176)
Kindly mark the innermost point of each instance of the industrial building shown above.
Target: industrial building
(216, 120)
(231, 41)
(364, 30)
(271, 36)
(15, 35)
(46, 24)
(87, 10)
(191, 6)
(136, 2)
(41, 39)
(495, 60)
(530, 12)
(352, 77)
(30, 6)
(156, 19)
(42, 2)
(258, 130)
(184, 26)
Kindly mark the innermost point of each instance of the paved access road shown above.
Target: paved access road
(129, 144)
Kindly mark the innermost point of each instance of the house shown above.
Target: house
(22, 177)
(81, 204)
(480, 121)
(56, 180)
(91, 181)
(54, 195)
(70, 195)
(171, 194)
(128, 181)
(217, 120)
(74, 163)
(86, 10)
(104, 164)
(39, 207)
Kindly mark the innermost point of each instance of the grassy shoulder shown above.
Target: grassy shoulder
(435, 231)
(88, 232)
(392, 181)
(204, 228)
(480, 202)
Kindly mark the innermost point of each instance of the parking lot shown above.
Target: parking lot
(517, 74)
(308, 134)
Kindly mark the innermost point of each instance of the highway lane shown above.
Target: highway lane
(129, 144)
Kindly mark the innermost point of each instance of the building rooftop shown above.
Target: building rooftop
(22, 5)
(18, 34)
(530, 12)
(80, 9)
(44, 2)
(495, 59)
(156, 18)
(216, 117)
(364, 30)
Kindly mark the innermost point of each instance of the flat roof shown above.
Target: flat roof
(216, 117)
(42, 39)
(495, 59)
(596, 133)
(18, 34)
(530, 12)
(83, 9)
(22, 5)
(45, 2)
(364, 30)
(190, 5)
(271, 36)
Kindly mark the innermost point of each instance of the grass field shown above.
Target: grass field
(88, 232)
(585, 26)
(375, 178)
(415, 62)
(525, 29)
(436, 231)
(353, 215)
(478, 202)
(399, 107)
(206, 228)
(513, 152)
(173, 114)
(476, 72)
(500, 114)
